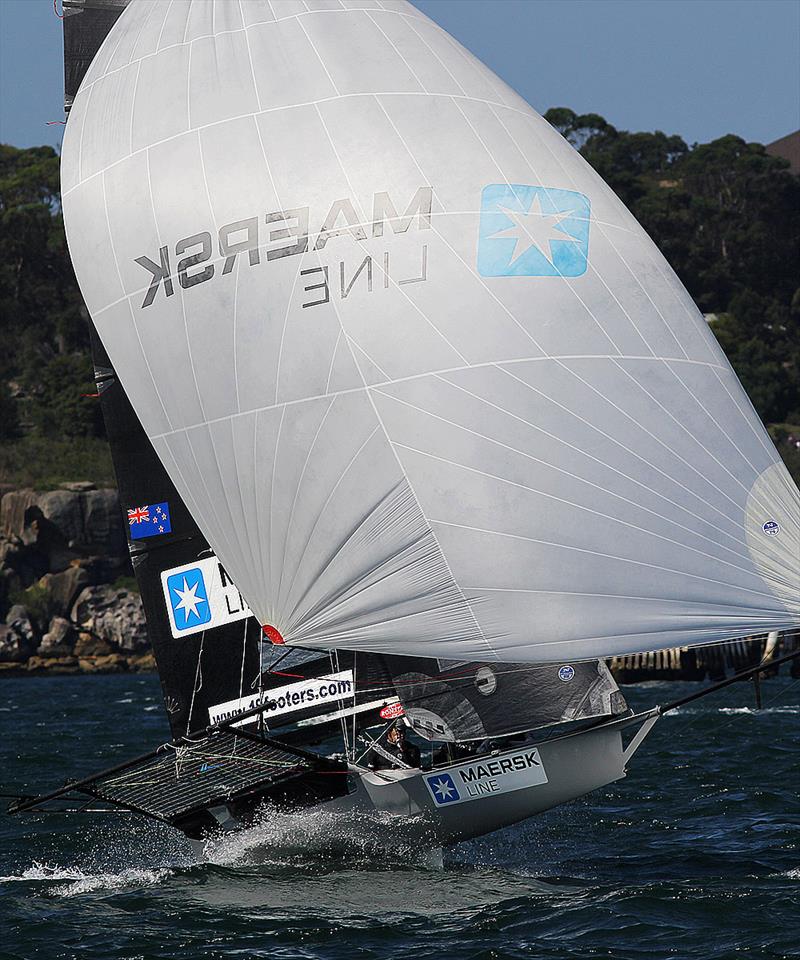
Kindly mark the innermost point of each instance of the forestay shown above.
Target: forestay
(424, 383)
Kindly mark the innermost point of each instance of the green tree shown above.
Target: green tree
(40, 305)
(9, 416)
(63, 405)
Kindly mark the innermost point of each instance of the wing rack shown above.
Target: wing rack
(180, 783)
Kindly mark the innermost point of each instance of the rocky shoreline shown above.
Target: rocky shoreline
(68, 600)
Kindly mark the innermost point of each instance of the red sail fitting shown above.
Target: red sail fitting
(272, 633)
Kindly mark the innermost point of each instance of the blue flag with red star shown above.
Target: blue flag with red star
(149, 521)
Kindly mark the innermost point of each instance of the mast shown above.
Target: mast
(201, 667)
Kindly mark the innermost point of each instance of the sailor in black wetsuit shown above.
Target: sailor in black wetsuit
(397, 746)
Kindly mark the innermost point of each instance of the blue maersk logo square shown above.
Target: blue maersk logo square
(533, 232)
(443, 788)
(188, 598)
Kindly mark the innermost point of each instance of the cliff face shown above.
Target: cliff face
(68, 602)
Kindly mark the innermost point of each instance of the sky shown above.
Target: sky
(698, 68)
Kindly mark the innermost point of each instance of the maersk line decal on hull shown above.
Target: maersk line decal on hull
(201, 596)
(485, 778)
(321, 691)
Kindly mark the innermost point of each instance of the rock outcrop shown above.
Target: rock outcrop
(115, 615)
(61, 608)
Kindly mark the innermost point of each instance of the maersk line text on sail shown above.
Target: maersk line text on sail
(265, 240)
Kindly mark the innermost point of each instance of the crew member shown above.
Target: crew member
(398, 747)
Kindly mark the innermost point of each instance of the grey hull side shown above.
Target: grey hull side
(574, 765)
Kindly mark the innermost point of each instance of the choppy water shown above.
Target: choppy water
(695, 855)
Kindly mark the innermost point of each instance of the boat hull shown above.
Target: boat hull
(493, 792)
(573, 766)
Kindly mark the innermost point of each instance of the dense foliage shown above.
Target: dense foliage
(49, 431)
(725, 214)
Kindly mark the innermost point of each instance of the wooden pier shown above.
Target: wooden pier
(713, 662)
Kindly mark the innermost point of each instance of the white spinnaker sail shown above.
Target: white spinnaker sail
(423, 381)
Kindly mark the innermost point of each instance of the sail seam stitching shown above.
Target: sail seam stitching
(293, 106)
(597, 553)
(628, 450)
(441, 553)
(570, 503)
(561, 470)
(431, 373)
(450, 247)
(297, 488)
(133, 318)
(569, 285)
(696, 440)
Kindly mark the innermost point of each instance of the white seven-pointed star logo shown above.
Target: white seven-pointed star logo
(189, 600)
(534, 229)
(443, 789)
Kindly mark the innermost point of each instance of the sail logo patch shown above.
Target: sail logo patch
(566, 673)
(151, 520)
(201, 596)
(771, 528)
(488, 777)
(528, 231)
(443, 789)
(188, 598)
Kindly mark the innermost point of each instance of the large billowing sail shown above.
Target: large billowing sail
(424, 383)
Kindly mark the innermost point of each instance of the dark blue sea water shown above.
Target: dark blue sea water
(695, 855)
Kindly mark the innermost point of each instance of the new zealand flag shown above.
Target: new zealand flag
(149, 521)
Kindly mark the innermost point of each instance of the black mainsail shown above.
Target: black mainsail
(204, 666)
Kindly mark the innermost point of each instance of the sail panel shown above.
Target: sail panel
(423, 381)
(458, 701)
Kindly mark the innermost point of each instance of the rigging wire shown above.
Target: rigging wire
(355, 687)
(334, 660)
(261, 717)
(241, 677)
(196, 687)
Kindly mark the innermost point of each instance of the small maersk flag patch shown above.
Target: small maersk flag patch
(201, 596)
(487, 777)
(442, 788)
(528, 231)
(151, 520)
